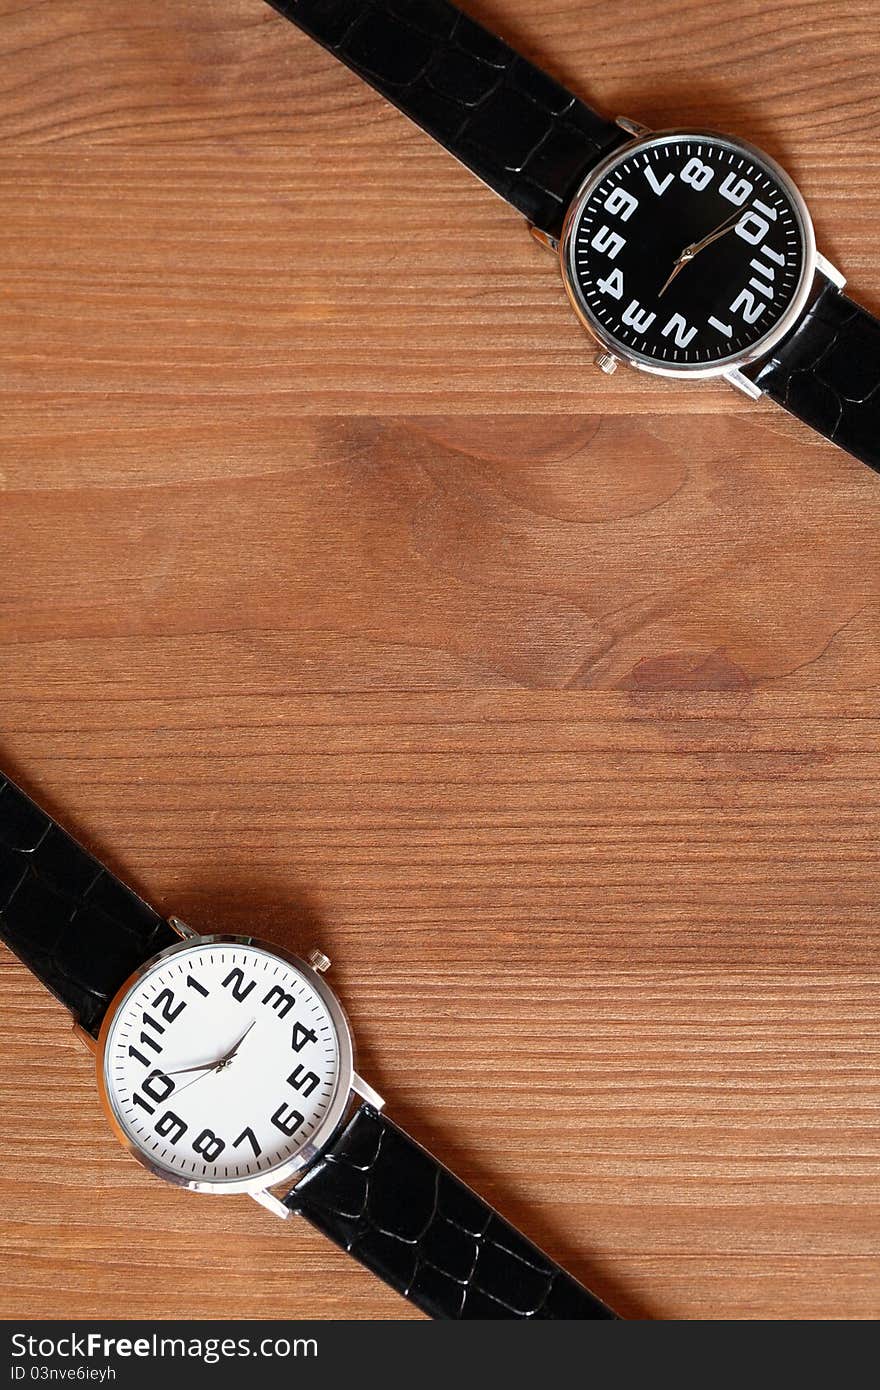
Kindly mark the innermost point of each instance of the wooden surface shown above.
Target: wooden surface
(344, 602)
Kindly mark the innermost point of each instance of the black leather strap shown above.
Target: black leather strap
(74, 924)
(827, 372)
(383, 1198)
(519, 131)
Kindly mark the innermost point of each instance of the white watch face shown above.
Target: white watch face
(225, 1063)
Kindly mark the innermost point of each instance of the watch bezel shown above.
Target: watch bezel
(641, 361)
(342, 1097)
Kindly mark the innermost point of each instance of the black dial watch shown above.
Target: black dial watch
(685, 253)
(226, 1065)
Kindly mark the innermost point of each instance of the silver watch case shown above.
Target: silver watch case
(727, 365)
(346, 1085)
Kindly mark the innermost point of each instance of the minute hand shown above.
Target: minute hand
(695, 247)
(726, 226)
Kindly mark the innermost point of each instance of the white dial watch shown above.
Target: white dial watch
(226, 1065)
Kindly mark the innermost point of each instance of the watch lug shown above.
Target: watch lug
(361, 1088)
(544, 239)
(182, 928)
(632, 127)
(85, 1038)
(742, 383)
(272, 1203)
(825, 267)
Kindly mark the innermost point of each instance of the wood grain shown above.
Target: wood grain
(343, 601)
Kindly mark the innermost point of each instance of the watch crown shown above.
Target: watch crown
(607, 362)
(318, 961)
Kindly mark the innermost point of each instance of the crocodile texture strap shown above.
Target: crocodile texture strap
(519, 131)
(385, 1200)
(79, 929)
(827, 372)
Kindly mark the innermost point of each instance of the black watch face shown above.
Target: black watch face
(688, 252)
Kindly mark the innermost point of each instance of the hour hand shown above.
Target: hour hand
(228, 1056)
(726, 226)
(217, 1062)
